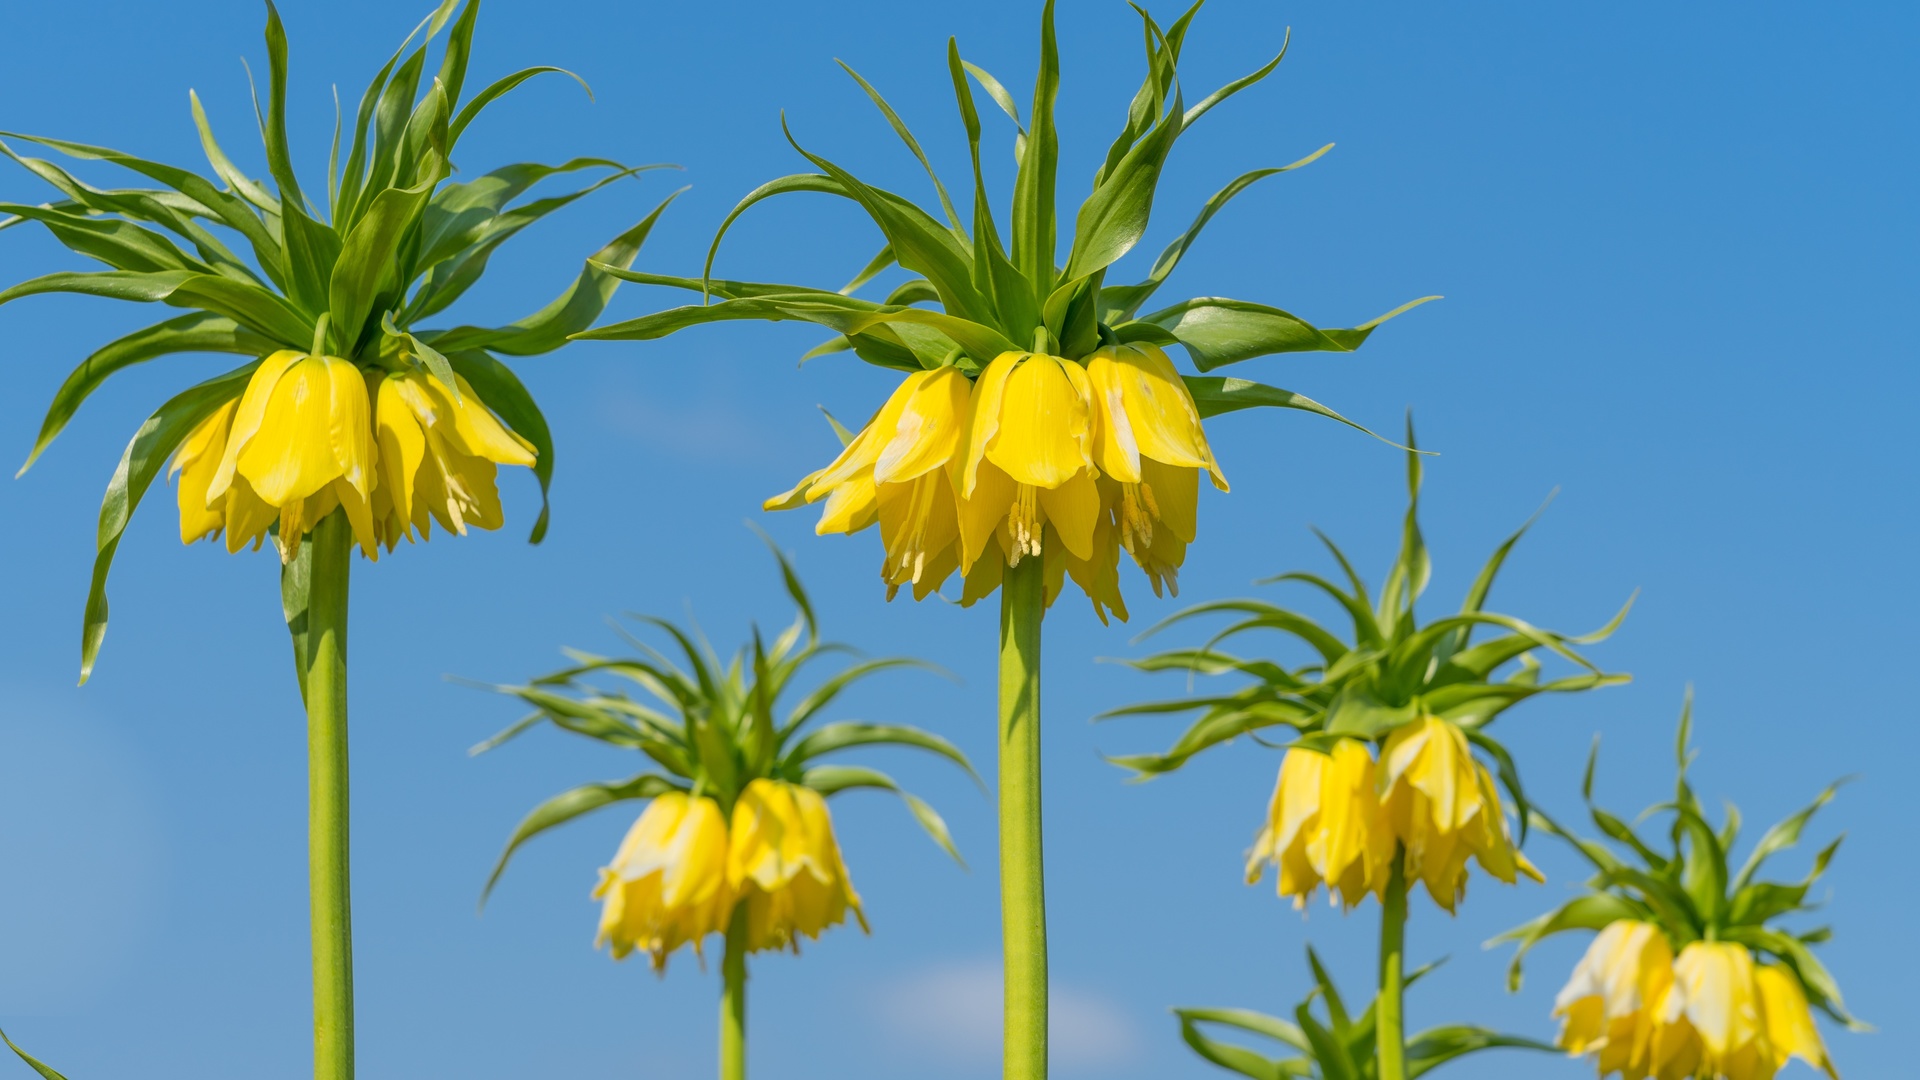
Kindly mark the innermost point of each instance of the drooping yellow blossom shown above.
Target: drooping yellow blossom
(1040, 456)
(895, 472)
(1444, 808)
(668, 884)
(1790, 1027)
(297, 444)
(396, 450)
(1325, 826)
(1148, 440)
(438, 453)
(784, 865)
(1029, 460)
(1711, 1012)
(1608, 1008)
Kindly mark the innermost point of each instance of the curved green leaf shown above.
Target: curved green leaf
(193, 333)
(570, 313)
(568, 805)
(1217, 331)
(142, 461)
(36, 1064)
(833, 779)
(847, 734)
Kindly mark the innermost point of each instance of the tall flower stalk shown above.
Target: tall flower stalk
(1041, 428)
(736, 840)
(348, 426)
(1689, 974)
(1384, 785)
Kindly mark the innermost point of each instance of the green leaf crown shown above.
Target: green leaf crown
(713, 726)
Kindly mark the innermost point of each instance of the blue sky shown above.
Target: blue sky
(1675, 242)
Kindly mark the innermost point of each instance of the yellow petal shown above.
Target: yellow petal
(1073, 509)
(1175, 492)
(1042, 436)
(931, 422)
(1717, 983)
(982, 511)
(475, 430)
(1789, 1023)
(247, 417)
(853, 506)
(983, 416)
(293, 455)
(195, 463)
(402, 445)
(1147, 411)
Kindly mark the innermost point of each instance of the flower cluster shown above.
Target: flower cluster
(683, 870)
(1713, 1010)
(395, 451)
(1689, 976)
(1386, 775)
(1338, 817)
(736, 838)
(1040, 457)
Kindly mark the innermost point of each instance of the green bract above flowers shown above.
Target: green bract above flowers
(736, 820)
(1689, 974)
(1040, 416)
(1383, 727)
(345, 402)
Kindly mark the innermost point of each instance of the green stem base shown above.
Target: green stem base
(327, 879)
(1391, 1031)
(1023, 904)
(733, 999)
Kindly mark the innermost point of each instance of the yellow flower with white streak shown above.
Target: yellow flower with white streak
(297, 443)
(1608, 1007)
(1729, 1016)
(1444, 808)
(784, 864)
(1325, 826)
(668, 884)
(895, 472)
(438, 452)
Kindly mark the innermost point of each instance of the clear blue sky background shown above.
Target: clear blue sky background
(1678, 249)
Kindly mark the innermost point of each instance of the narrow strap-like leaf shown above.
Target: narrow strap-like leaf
(142, 461)
(568, 805)
(34, 1063)
(833, 779)
(193, 333)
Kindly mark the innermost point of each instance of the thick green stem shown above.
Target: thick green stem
(1023, 905)
(1392, 1024)
(733, 999)
(326, 693)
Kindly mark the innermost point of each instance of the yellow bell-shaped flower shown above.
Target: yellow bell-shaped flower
(1711, 1022)
(438, 456)
(1029, 461)
(1149, 441)
(784, 865)
(895, 472)
(1609, 1006)
(297, 443)
(668, 885)
(1444, 808)
(1325, 826)
(1790, 1027)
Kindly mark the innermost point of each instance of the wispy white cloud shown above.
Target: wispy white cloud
(951, 1013)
